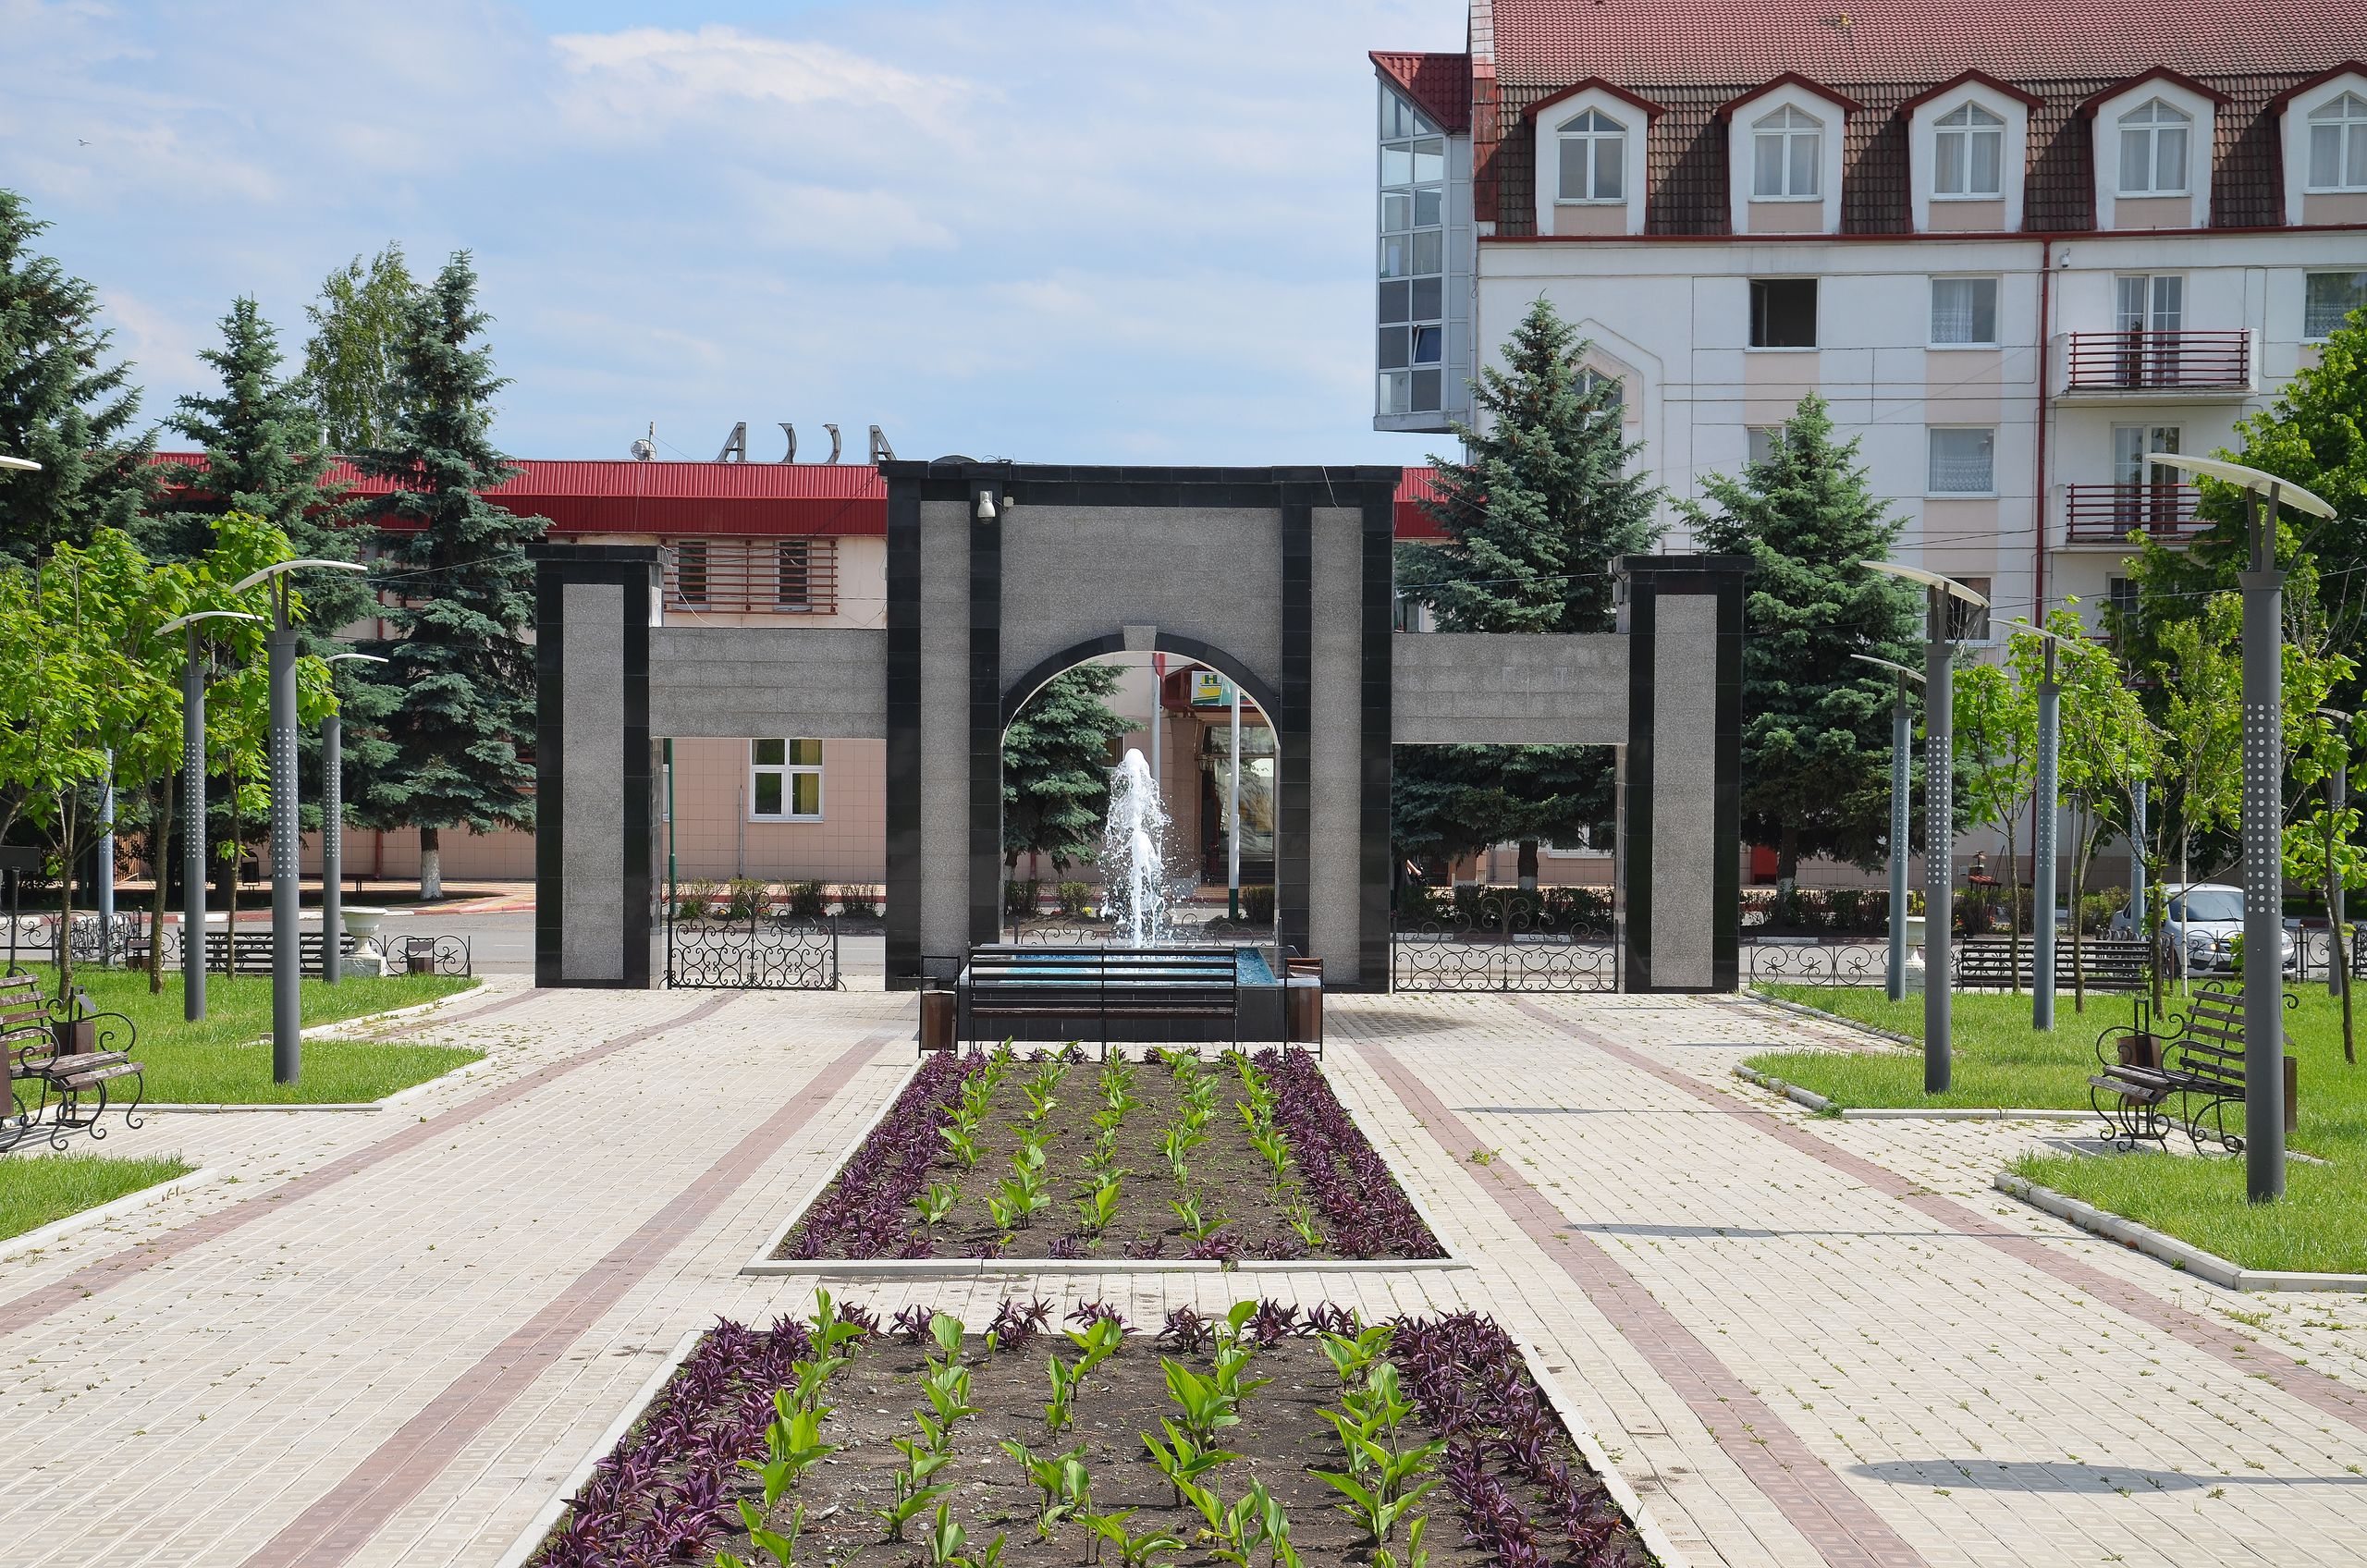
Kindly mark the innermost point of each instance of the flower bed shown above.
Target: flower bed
(993, 1155)
(1264, 1438)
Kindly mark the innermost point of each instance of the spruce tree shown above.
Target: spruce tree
(64, 404)
(461, 669)
(1816, 723)
(351, 364)
(1548, 495)
(1056, 767)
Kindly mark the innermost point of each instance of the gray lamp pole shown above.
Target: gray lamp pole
(333, 832)
(2263, 824)
(1939, 806)
(193, 808)
(2042, 853)
(1902, 739)
(286, 959)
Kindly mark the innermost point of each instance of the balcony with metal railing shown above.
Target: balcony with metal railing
(2108, 514)
(2132, 365)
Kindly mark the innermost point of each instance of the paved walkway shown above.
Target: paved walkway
(1805, 1342)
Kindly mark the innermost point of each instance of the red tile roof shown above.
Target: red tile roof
(1439, 85)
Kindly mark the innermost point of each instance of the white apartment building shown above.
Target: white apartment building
(2015, 248)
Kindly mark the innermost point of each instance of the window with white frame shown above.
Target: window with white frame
(2153, 149)
(1759, 441)
(1412, 260)
(1786, 149)
(785, 780)
(2328, 299)
(2338, 144)
(1594, 158)
(1964, 310)
(1963, 460)
(1969, 153)
(1601, 388)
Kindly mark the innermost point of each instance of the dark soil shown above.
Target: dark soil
(1227, 1174)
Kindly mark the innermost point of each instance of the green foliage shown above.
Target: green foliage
(353, 364)
(1056, 767)
(64, 404)
(1257, 904)
(1548, 496)
(460, 660)
(1816, 722)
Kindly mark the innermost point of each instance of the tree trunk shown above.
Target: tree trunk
(2013, 910)
(1787, 856)
(66, 901)
(2184, 844)
(160, 860)
(2078, 882)
(1529, 865)
(431, 864)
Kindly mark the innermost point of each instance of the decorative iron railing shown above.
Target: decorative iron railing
(2134, 361)
(2108, 514)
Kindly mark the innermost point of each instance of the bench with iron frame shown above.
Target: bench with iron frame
(2178, 1071)
(70, 1059)
(1045, 992)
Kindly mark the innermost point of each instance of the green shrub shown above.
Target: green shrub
(1076, 898)
(858, 902)
(1020, 899)
(744, 898)
(693, 900)
(1257, 904)
(805, 900)
(1416, 901)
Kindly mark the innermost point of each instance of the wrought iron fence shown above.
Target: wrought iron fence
(1814, 963)
(421, 954)
(1503, 941)
(758, 951)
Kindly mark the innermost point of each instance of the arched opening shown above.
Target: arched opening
(1070, 726)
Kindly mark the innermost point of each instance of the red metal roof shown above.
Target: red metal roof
(1541, 42)
(584, 497)
(1439, 85)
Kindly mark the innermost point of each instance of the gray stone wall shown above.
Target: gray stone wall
(1478, 689)
(592, 719)
(945, 726)
(1685, 757)
(1335, 735)
(728, 682)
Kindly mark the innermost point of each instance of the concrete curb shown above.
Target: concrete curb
(393, 1101)
(338, 1028)
(1629, 1502)
(2182, 1255)
(531, 1538)
(1792, 1091)
(58, 1230)
(1755, 994)
(1021, 1268)
(1817, 1102)
(757, 1264)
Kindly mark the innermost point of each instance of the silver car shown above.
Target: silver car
(2199, 931)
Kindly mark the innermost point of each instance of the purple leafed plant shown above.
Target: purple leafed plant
(1094, 1312)
(1365, 1212)
(1187, 1330)
(1017, 1322)
(867, 1211)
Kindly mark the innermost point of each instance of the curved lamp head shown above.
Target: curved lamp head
(1914, 675)
(195, 615)
(22, 465)
(2244, 478)
(353, 659)
(1929, 579)
(253, 578)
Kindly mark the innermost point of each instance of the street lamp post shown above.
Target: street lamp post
(333, 832)
(193, 808)
(1902, 738)
(2042, 853)
(1939, 807)
(2338, 957)
(287, 952)
(2264, 825)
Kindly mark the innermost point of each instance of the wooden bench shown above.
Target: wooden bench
(2106, 964)
(1082, 991)
(70, 1055)
(2151, 1080)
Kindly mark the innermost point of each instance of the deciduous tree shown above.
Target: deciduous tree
(353, 364)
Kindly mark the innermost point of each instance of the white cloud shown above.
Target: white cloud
(644, 74)
(819, 218)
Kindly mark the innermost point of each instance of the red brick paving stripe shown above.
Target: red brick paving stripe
(437, 1021)
(343, 1521)
(106, 1273)
(2249, 1356)
(1840, 1524)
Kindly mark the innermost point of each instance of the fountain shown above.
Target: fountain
(1134, 855)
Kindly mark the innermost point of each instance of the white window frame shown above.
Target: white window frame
(1797, 125)
(1932, 462)
(2149, 122)
(1744, 114)
(1952, 144)
(1922, 144)
(2351, 144)
(1996, 311)
(1632, 116)
(1758, 441)
(1594, 131)
(2307, 335)
(2202, 113)
(2295, 112)
(789, 770)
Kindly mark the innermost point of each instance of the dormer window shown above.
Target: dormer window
(2338, 144)
(1787, 148)
(1969, 153)
(2153, 149)
(1594, 158)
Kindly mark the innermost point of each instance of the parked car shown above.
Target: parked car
(2200, 929)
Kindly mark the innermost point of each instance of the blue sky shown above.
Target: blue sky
(1082, 233)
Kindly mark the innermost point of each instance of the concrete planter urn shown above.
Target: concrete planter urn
(361, 921)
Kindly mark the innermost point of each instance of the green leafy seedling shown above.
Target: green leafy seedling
(936, 1203)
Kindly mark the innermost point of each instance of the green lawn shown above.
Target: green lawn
(2001, 1061)
(226, 1060)
(37, 1189)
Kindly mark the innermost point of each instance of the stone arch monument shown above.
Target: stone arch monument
(1001, 574)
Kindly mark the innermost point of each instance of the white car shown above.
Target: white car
(2199, 931)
